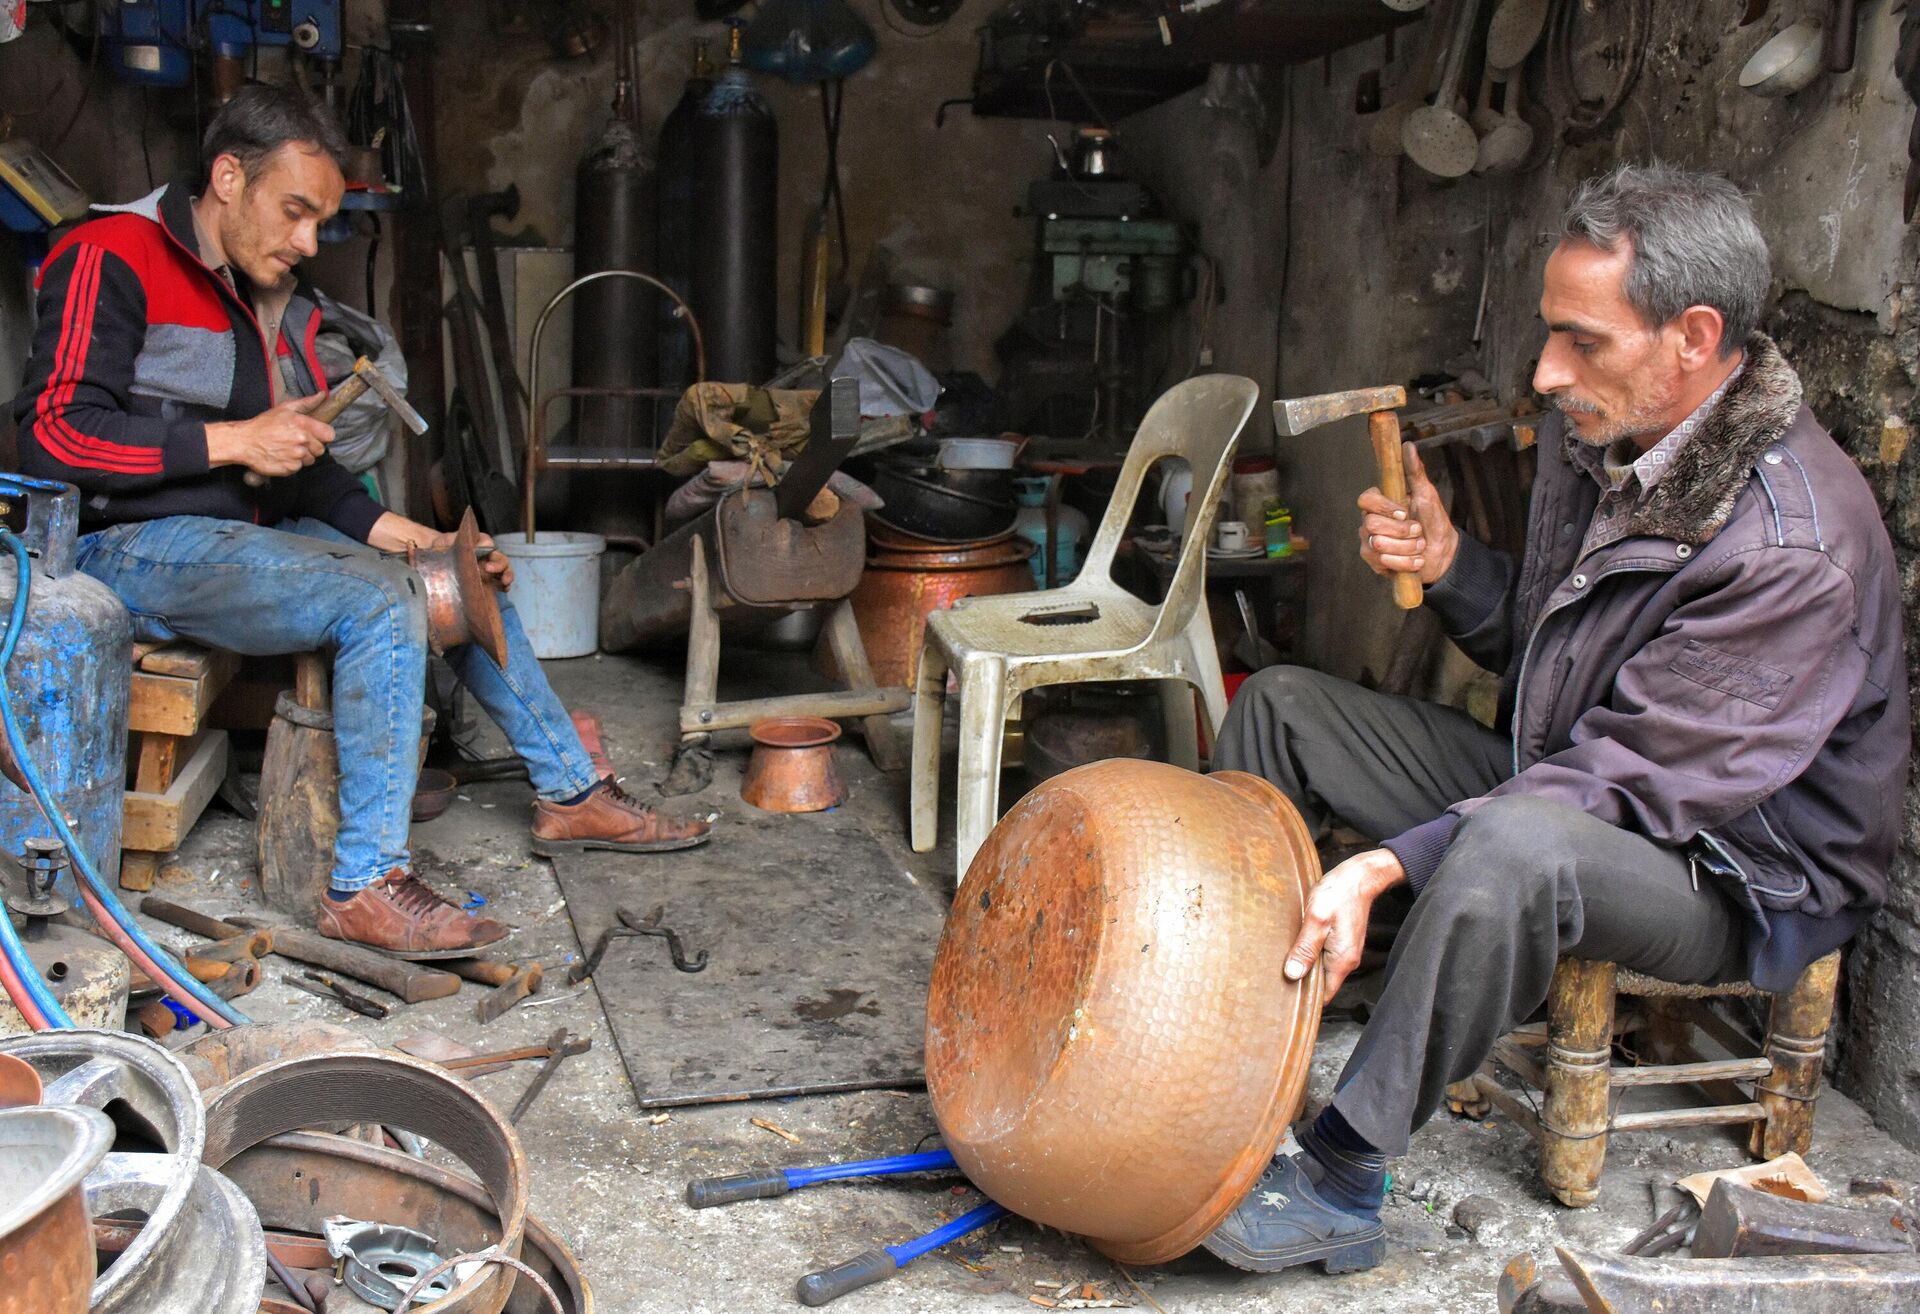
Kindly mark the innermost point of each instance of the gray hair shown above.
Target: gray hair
(259, 120)
(1692, 238)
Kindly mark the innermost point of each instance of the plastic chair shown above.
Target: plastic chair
(1090, 630)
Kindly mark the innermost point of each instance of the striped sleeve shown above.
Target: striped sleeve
(74, 410)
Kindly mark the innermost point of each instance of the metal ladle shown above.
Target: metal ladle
(1787, 62)
(1437, 137)
(1384, 126)
(1513, 33)
(1511, 139)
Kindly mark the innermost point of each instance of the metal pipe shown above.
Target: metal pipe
(535, 422)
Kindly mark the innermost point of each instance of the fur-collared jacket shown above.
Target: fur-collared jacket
(1728, 678)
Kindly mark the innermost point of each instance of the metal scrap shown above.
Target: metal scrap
(380, 1261)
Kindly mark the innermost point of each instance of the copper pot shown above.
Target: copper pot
(909, 578)
(47, 1263)
(462, 603)
(19, 1082)
(1111, 1047)
(792, 765)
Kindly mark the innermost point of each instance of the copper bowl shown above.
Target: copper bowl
(792, 765)
(19, 1083)
(47, 1263)
(1111, 1047)
(909, 578)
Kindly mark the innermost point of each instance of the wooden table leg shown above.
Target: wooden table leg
(850, 656)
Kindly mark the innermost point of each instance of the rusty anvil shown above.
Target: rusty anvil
(1294, 417)
(365, 375)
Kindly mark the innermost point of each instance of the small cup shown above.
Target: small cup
(1230, 536)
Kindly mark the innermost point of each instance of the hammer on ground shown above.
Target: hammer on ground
(365, 375)
(1294, 417)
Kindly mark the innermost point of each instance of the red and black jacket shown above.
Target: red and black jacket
(140, 346)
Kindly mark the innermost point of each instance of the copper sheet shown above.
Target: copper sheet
(1111, 1047)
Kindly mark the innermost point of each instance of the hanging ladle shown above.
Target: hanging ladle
(1437, 137)
(1511, 139)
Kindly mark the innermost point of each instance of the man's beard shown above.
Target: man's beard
(1634, 423)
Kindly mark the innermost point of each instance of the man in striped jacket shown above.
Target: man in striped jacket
(175, 355)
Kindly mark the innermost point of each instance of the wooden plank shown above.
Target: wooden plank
(157, 823)
(137, 870)
(1681, 1074)
(696, 717)
(186, 661)
(170, 705)
(159, 759)
(1660, 1119)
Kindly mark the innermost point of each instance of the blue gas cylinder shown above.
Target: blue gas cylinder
(68, 682)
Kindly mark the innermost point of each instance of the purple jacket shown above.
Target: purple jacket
(1728, 679)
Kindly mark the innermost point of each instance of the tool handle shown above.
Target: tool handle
(1840, 37)
(187, 919)
(863, 1270)
(1384, 428)
(764, 1184)
(329, 410)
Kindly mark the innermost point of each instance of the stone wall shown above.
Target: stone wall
(1343, 268)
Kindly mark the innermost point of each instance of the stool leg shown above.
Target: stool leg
(1797, 1046)
(1575, 1113)
(929, 712)
(983, 726)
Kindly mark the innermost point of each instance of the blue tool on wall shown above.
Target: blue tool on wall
(155, 42)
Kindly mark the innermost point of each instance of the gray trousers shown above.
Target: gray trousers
(1524, 882)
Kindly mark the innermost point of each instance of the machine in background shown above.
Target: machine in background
(1082, 360)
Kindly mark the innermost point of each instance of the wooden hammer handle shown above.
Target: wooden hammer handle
(1384, 428)
(329, 410)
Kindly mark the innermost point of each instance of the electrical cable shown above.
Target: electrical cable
(117, 924)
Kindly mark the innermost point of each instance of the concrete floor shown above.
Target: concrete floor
(610, 1179)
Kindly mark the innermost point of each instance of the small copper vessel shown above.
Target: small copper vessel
(19, 1083)
(792, 766)
(462, 606)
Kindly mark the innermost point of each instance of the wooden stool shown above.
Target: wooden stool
(178, 763)
(1578, 1077)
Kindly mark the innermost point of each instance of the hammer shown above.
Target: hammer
(365, 375)
(1293, 418)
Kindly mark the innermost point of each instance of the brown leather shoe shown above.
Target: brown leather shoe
(610, 818)
(407, 918)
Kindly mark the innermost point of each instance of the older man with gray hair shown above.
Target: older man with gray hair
(1703, 731)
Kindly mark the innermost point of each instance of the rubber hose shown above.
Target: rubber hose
(174, 979)
(21, 979)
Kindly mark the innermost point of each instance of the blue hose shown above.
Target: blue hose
(205, 998)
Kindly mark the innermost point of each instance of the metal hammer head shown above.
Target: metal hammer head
(1299, 414)
(377, 380)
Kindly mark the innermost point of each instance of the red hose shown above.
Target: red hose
(161, 977)
(17, 992)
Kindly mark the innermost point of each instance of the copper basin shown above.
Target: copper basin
(909, 578)
(1111, 1047)
(462, 606)
(792, 766)
(19, 1082)
(47, 1264)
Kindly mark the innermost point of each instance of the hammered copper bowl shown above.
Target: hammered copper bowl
(1111, 1047)
(47, 1262)
(791, 769)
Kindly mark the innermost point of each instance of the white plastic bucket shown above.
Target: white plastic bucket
(556, 589)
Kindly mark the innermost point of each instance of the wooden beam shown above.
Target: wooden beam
(157, 823)
(171, 705)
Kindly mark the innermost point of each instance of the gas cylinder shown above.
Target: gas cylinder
(68, 684)
(736, 213)
(89, 977)
(613, 345)
(676, 225)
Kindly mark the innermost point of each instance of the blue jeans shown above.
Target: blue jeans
(305, 586)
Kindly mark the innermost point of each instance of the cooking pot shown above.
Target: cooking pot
(1111, 1047)
(908, 579)
(947, 506)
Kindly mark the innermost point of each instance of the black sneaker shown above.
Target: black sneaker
(1283, 1222)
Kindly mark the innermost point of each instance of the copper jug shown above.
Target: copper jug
(1111, 1047)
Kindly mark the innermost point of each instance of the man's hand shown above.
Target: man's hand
(395, 533)
(278, 442)
(1420, 541)
(1335, 927)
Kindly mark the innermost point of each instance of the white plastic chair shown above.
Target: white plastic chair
(1092, 629)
